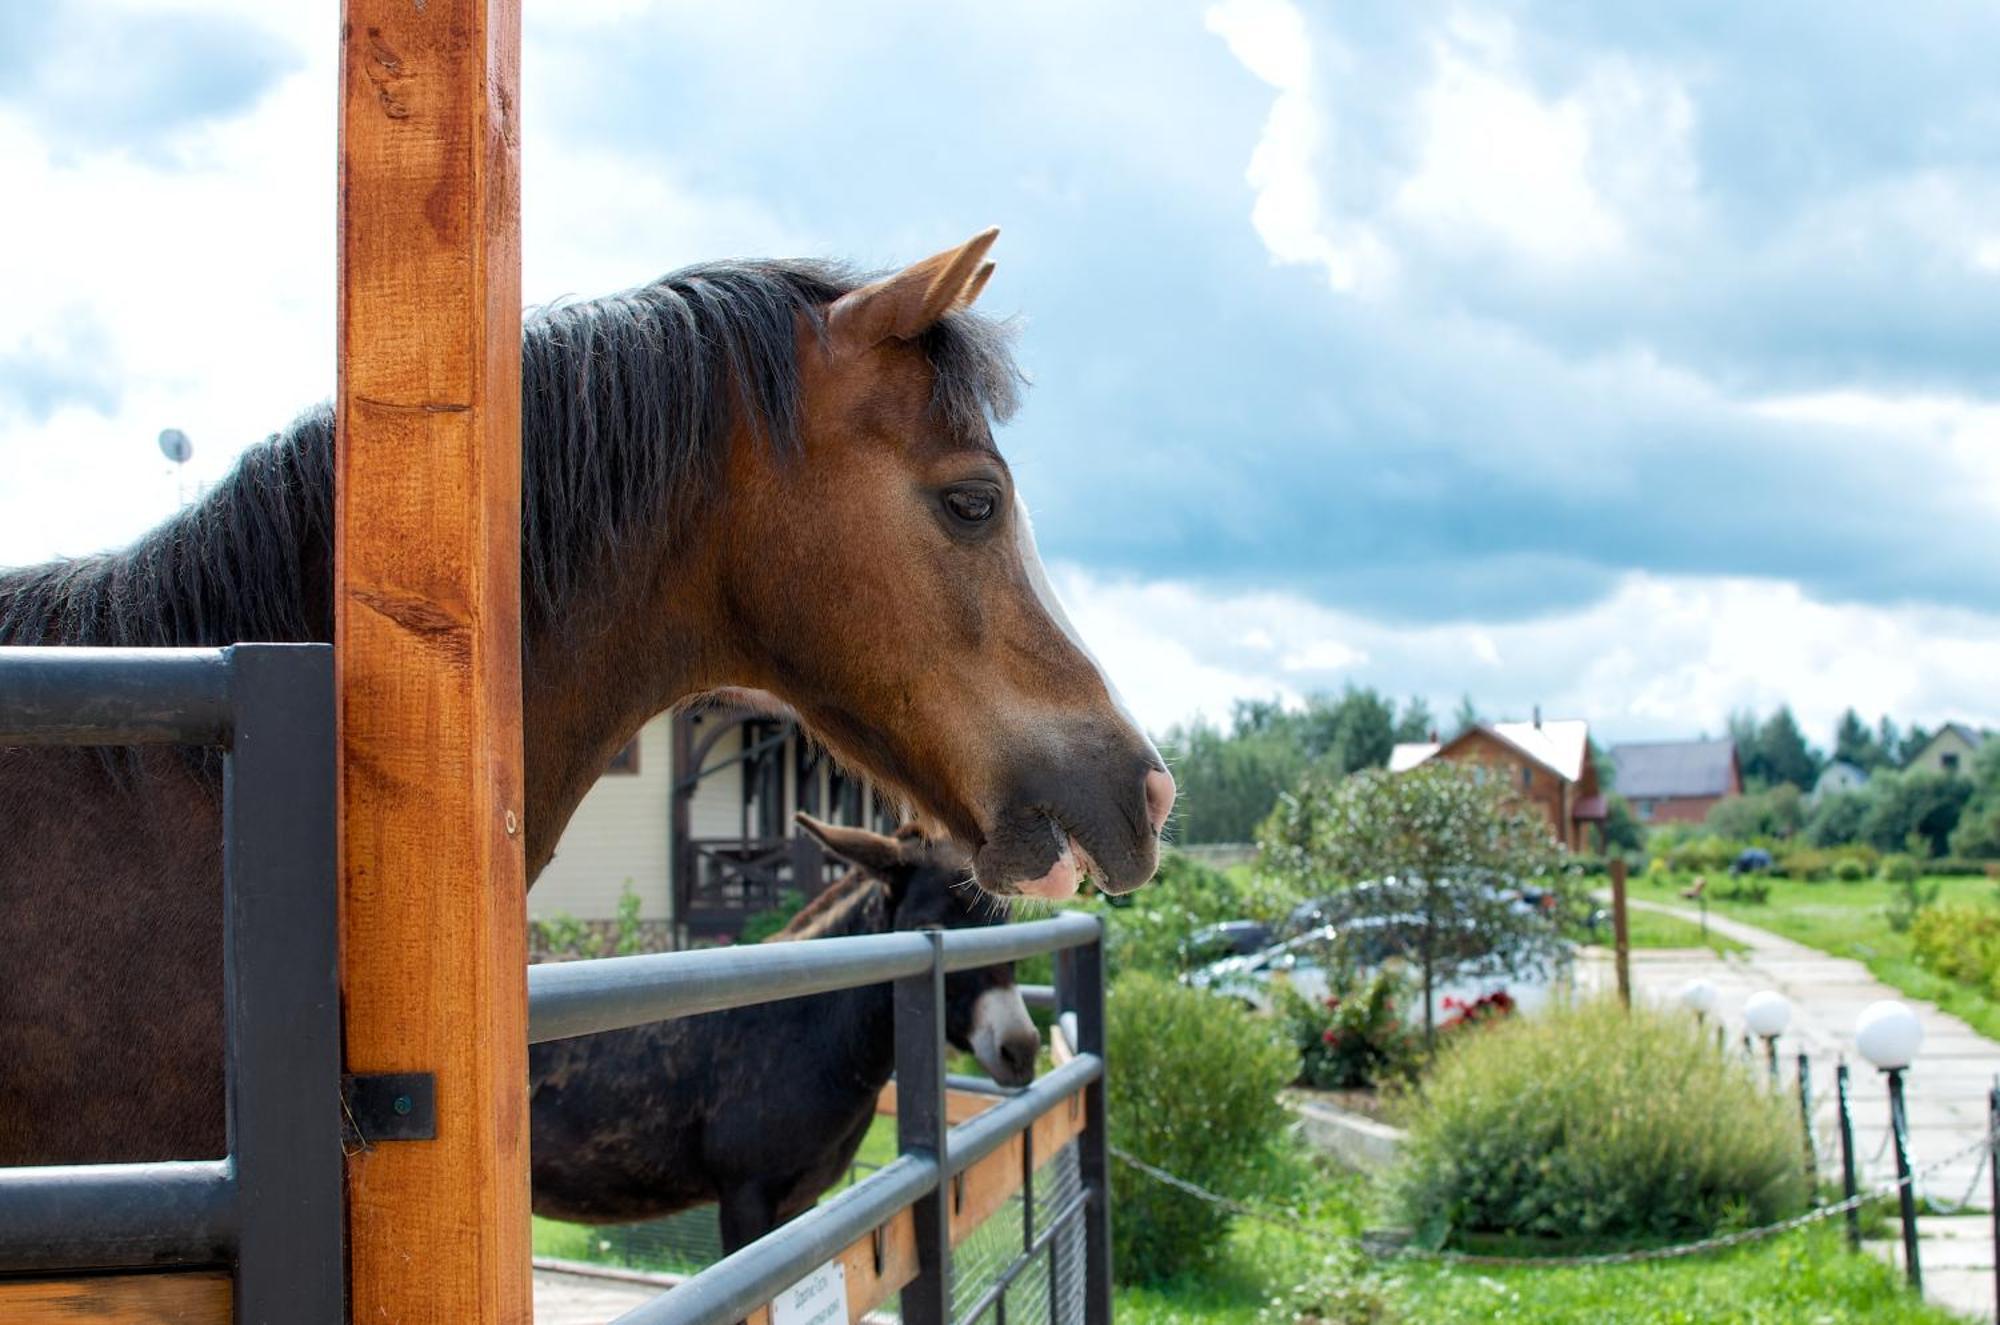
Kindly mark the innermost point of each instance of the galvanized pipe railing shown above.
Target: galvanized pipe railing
(578, 998)
(610, 993)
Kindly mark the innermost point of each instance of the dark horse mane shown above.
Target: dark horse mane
(627, 403)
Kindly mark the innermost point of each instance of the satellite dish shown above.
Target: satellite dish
(175, 446)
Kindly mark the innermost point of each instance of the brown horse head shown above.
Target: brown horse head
(882, 580)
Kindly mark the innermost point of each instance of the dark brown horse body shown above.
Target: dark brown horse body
(761, 1109)
(759, 475)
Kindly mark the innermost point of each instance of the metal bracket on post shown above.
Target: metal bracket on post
(921, 1127)
(389, 1106)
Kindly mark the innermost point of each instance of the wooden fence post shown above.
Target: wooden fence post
(1621, 935)
(427, 532)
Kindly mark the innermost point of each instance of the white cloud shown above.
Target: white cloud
(206, 278)
(1498, 159)
(1660, 656)
(210, 275)
(1270, 39)
(1954, 437)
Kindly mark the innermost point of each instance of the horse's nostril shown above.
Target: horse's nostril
(1160, 791)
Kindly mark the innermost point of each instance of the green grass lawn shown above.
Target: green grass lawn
(1797, 1279)
(1650, 929)
(1850, 920)
(1807, 1277)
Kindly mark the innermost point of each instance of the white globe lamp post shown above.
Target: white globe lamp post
(1699, 997)
(1889, 1035)
(1767, 1013)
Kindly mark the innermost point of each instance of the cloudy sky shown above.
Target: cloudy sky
(1637, 364)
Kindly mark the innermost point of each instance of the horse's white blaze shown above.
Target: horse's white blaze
(998, 1016)
(1038, 578)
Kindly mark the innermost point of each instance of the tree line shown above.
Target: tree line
(1773, 750)
(1232, 773)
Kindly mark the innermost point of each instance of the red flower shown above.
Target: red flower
(1333, 1000)
(1330, 1037)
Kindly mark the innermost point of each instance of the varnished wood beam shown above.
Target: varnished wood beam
(427, 521)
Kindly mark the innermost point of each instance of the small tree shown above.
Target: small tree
(1449, 839)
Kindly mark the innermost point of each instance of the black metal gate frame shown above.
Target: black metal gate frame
(271, 1209)
(580, 998)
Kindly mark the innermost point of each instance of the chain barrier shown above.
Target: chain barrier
(1298, 1224)
(1963, 1205)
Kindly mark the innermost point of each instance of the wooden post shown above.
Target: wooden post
(427, 537)
(1621, 936)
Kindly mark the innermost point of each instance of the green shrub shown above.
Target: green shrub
(1596, 1126)
(761, 925)
(1910, 895)
(1955, 867)
(1353, 1039)
(1901, 868)
(1850, 869)
(1194, 1090)
(1960, 941)
(1751, 888)
(1807, 865)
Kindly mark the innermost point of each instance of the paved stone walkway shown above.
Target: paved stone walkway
(1945, 1088)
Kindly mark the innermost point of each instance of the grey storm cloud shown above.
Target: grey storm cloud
(1488, 439)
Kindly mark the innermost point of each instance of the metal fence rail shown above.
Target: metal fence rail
(271, 1210)
(578, 998)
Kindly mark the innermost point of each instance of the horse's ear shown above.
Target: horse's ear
(975, 286)
(904, 306)
(880, 856)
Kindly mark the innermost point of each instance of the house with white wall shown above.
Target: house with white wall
(695, 818)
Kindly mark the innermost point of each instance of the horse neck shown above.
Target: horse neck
(254, 561)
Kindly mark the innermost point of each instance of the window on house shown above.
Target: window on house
(1527, 779)
(1645, 809)
(1950, 763)
(626, 761)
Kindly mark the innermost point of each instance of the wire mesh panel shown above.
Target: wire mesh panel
(998, 1278)
(676, 1245)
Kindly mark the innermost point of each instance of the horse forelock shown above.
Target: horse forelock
(627, 405)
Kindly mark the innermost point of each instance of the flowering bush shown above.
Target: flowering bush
(1463, 1013)
(1354, 1040)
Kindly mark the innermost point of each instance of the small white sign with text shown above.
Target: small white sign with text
(818, 1299)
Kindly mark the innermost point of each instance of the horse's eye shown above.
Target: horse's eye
(972, 505)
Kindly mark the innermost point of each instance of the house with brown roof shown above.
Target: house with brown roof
(1676, 781)
(1547, 763)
